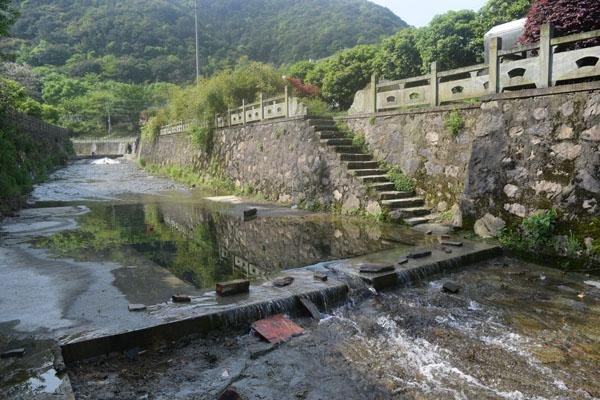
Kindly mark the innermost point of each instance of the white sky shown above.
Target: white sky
(420, 12)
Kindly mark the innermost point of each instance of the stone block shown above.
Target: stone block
(232, 288)
(489, 226)
(283, 281)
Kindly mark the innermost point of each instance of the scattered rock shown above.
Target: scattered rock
(250, 214)
(230, 393)
(13, 353)
(259, 349)
(457, 217)
(447, 250)
(283, 281)
(376, 268)
(589, 244)
(234, 287)
(181, 298)
(517, 209)
(320, 276)
(419, 254)
(311, 307)
(132, 354)
(489, 226)
(137, 307)
(451, 287)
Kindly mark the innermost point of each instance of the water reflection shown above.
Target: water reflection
(202, 244)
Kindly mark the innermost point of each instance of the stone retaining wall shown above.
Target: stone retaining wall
(517, 153)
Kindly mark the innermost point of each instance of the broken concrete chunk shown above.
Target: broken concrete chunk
(311, 307)
(234, 287)
(250, 213)
(451, 287)
(376, 268)
(137, 307)
(320, 276)
(180, 298)
(453, 244)
(283, 281)
(13, 353)
(277, 328)
(419, 254)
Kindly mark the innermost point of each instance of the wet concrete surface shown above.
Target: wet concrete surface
(514, 331)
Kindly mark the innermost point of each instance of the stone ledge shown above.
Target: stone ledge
(267, 122)
(526, 93)
(420, 110)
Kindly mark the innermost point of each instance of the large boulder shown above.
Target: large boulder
(489, 226)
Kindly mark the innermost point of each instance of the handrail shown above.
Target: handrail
(577, 37)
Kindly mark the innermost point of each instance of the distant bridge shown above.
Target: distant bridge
(105, 147)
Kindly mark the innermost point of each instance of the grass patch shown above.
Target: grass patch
(402, 182)
(455, 122)
(190, 177)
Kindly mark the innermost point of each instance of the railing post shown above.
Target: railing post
(545, 56)
(244, 111)
(262, 110)
(373, 93)
(434, 84)
(494, 65)
(287, 101)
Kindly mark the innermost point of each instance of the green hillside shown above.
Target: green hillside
(152, 40)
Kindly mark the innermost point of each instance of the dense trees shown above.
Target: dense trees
(7, 16)
(139, 41)
(567, 16)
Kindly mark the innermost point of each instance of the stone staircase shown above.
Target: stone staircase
(401, 205)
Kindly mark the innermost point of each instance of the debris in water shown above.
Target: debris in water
(376, 268)
(447, 250)
(250, 214)
(225, 374)
(451, 287)
(419, 254)
(105, 161)
(593, 283)
(283, 281)
(180, 298)
(321, 276)
(403, 260)
(229, 394)
(374, 291)
(137, 307)
(132, 354)
(13, 353)
(311, 307)
(581, 295)
(234, 287)
(430, 232)
(277, 328)
(453, 244)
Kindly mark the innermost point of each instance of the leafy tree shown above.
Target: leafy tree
(8, 16)
(448, 39)
(568, 17)
(399, 57)
(343, 74)
(301, 69)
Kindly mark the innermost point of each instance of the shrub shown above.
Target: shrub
(302, 89)
(402, 182)
(317, 107)
(202, 137)
(535, 232)
(568, 17)
(454, 122)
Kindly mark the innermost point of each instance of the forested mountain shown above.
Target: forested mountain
(151, 40)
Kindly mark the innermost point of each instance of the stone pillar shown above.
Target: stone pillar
(244, 111)
(374, 94)
(262, 108)
(494, 65)
(434, 84)
(287, 101)
(545, 56)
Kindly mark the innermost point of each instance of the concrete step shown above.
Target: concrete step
(375, 179)
(382, 186)
(367, 172)
(321, 122)
(363, 165)
(348, 149)
(403, 203)
(412, 212)
(326, 128)
(337, 142)
(394, 194)
(355, 157)
(418, 220)
(332, 135)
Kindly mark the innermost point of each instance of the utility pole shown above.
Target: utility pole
(197, 55)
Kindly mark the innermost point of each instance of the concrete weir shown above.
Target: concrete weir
(169, 321)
